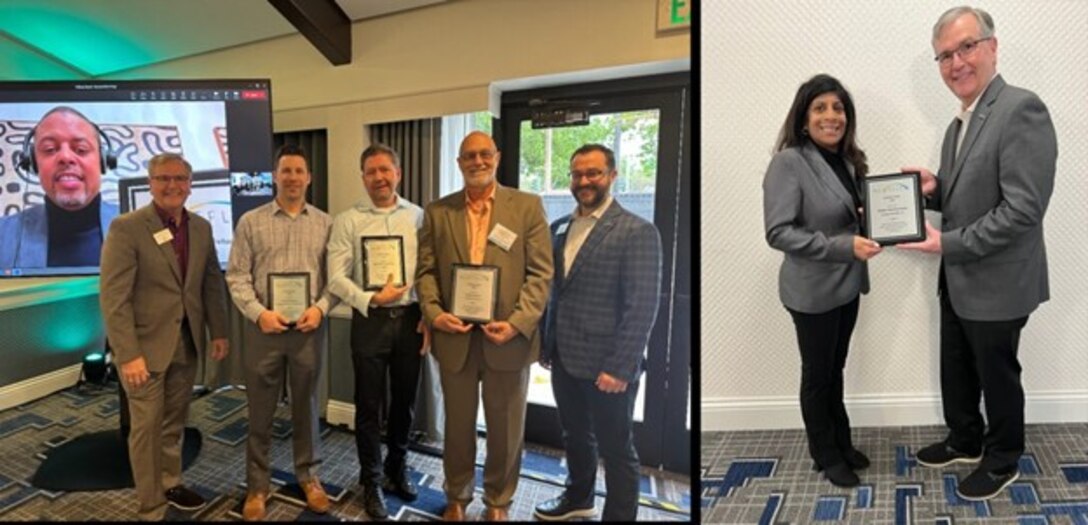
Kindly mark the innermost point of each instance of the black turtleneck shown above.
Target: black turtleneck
(75, 237)
(838, 165)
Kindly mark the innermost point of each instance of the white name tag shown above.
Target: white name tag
(163, 236)
(502, 237)
(562, 228)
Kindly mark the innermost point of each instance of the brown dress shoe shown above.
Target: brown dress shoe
(454, 512)
(497, 514)
(254, 507)
(316, 499)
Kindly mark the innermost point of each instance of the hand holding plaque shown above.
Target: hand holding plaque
(475, 292)
(289, 294)
(382, 256)
(893, 208)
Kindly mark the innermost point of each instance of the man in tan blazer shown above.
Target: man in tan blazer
(161, 286)
(491, 225)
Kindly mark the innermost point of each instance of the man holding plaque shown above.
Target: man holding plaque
(372, 262)
(602, 307)
(996, 176)
(485, 267)
(161, 287)
(276, 276)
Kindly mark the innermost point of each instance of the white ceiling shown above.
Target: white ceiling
(89, 38)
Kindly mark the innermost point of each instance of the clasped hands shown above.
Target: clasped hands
(497, 332)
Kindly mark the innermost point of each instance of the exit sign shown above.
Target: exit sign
(673, 14)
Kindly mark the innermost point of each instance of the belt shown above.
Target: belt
(391, 312)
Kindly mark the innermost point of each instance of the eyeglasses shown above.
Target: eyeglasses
(165, 179)
(965, 49)
(486, 154)
(593, 175)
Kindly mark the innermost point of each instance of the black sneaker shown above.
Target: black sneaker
(184, 499)
(374, 503)
(983, 484)
(856, 459)
(400, 482)
(941, 454)
(561, 509)
(841, 475)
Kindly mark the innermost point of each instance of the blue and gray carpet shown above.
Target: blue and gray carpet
(29, 432)
(766, 477)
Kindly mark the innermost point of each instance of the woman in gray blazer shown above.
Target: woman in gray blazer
(812, 213)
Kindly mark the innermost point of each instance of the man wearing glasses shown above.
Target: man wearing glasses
(485, 233)
(995, 180)
(602, 308)
(161, 294)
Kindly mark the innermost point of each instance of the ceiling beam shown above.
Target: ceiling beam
(323, 23)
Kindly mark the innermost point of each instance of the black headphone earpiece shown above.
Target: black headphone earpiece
(24, 159)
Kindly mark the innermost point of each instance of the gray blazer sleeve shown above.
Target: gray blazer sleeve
(1025, 174)
(783, 205)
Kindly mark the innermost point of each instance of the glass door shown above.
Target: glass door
(642, 121)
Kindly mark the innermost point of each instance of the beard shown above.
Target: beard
(591, 201)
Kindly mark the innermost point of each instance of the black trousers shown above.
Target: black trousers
(593, 420)
(824, 340)
(979, 358)
(384, 342)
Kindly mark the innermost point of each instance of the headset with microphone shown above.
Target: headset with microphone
(25, 161)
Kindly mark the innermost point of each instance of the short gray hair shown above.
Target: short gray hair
(985, 21)
(163, 158)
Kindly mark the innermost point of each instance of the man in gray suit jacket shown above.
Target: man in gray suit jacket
(602, 307)
(491, 225)
(995, 180)
(161, 288)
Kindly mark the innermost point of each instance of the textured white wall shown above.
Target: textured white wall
(755, 53)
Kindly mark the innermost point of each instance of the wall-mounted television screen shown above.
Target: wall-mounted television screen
(74, 154)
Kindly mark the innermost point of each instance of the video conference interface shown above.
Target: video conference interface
(73, 155)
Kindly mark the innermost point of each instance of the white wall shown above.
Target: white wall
(428, 62)
(755, 53)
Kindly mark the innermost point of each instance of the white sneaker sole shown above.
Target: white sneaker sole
(967, 461)
(576, 513)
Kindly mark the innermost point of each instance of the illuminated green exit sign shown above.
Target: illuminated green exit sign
(673, 14)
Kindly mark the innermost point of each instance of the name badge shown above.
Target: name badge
(502, 237)
(163, 236)
(562, 228)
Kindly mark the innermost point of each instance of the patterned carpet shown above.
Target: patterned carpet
(28, 432)
(766, 477)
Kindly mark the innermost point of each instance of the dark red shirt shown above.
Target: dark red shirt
(180, 232)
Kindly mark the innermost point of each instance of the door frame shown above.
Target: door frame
(668, 373)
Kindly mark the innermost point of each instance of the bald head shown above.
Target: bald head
(479, 160)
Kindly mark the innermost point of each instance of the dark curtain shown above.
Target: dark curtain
(418, 142)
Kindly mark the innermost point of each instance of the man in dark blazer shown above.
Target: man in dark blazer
(995, 180)
(602, 307)
(161, 294)
(491, 225)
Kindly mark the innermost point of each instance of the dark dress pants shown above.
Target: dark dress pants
(385, 341)
(593, 420)
(979, 359)
(824, 340)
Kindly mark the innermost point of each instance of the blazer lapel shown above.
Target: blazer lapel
(154, 225)
(499, 209)
(827, 177)
(596, 235)
(974, 127)
(458, 224)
